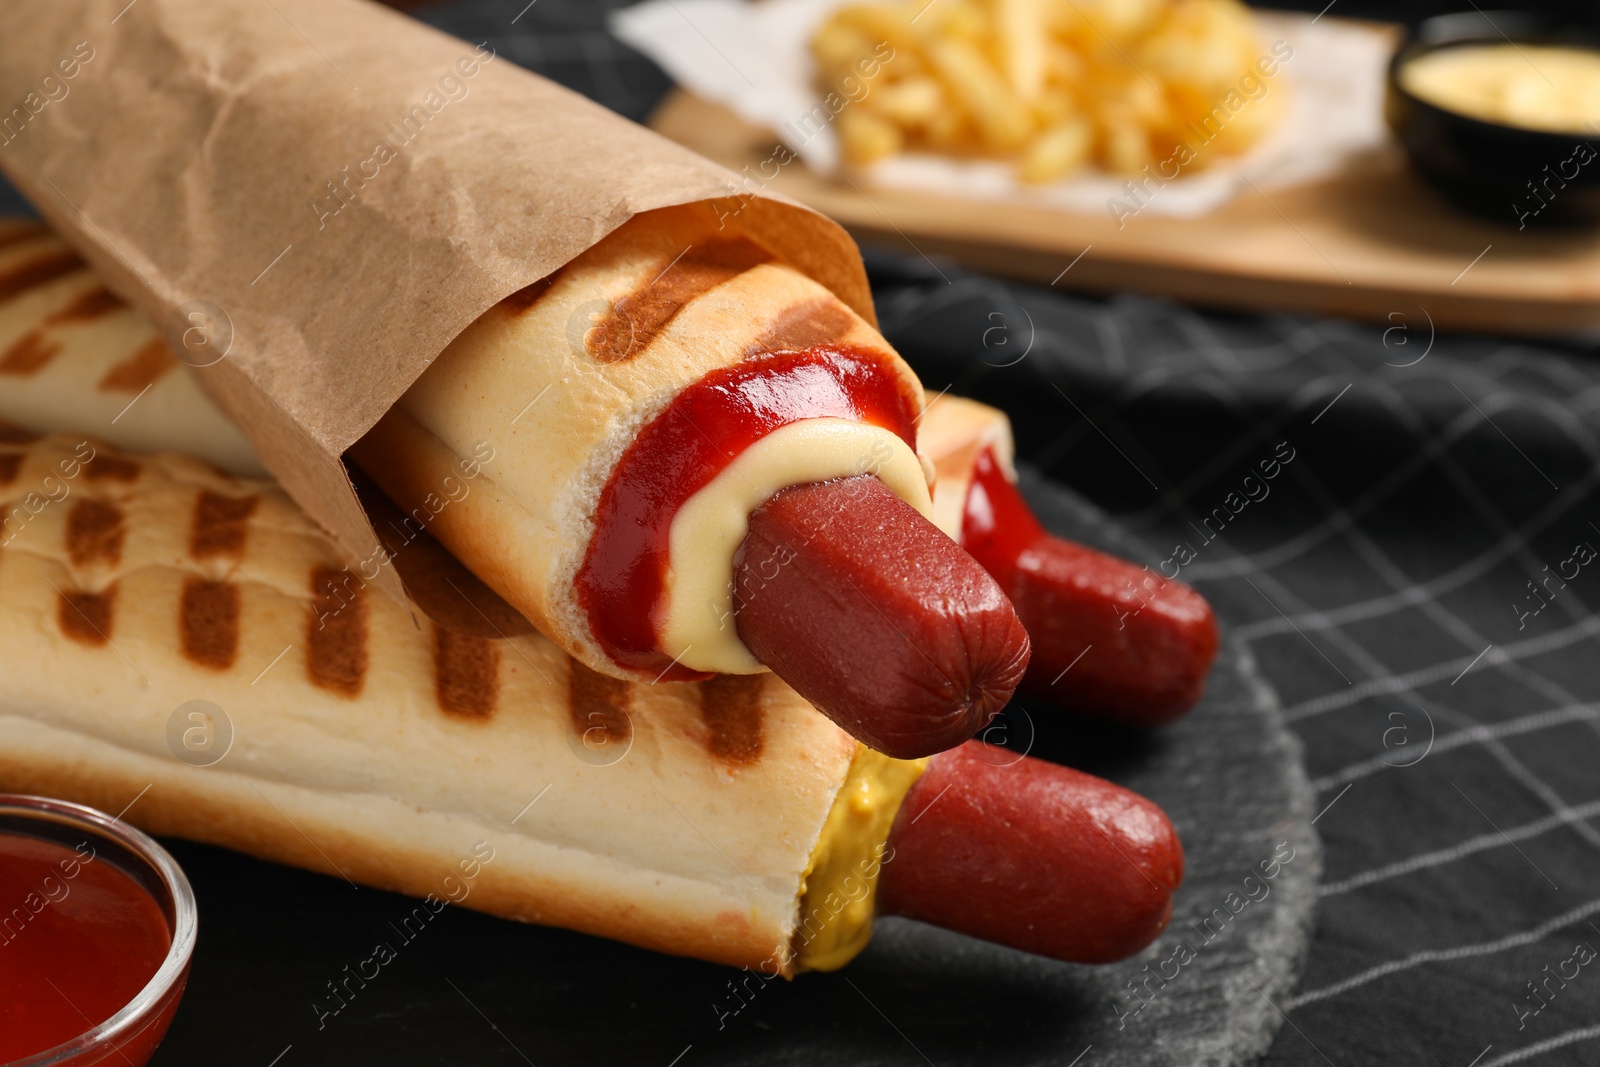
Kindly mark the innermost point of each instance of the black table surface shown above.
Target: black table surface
(1414, 582)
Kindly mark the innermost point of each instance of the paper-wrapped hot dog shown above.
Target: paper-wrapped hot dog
(726, 820)
(421, 210)
(1110, 638)
(632, 411)
(650, 353)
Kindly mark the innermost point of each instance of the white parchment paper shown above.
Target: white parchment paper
(753, 58)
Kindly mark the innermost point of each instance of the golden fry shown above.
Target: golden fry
(911, 103)
(867, 138)
(972, 80)
(1057, 152)
(1055, 86)
(1022, 46)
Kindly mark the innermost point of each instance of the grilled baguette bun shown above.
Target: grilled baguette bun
(953, 432)
(74, 357)
(368, 748)
(556, 383)
(530, 384)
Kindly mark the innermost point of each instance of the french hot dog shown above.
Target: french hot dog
(1110, 638)
(631, 411)
(725, 820)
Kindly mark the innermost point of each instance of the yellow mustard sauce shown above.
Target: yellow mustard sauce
(840, 887)
(1538, 87)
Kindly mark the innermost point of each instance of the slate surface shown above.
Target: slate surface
(469, 989)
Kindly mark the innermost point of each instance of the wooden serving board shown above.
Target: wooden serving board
(1371, 243)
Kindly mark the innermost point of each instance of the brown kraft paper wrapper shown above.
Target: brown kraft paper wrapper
(330, 192)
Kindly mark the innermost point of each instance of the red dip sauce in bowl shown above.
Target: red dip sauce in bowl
(97, 927)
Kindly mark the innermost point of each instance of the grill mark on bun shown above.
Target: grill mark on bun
(522, 301)
(208, 622)
(221, 524)
(436, 581)
(734, 712)
(448, 593)
(466, 673)
(28, 354)
(104, 468)
(598, 704)
(31, 352)
(94, 532)
(802, 326)
(336, 632)
(87, 307)
(634, 321)
(10, 463)
(139, 371)
(87, 617)
(46, 267)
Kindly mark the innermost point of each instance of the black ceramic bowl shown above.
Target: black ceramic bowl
(1520, 176)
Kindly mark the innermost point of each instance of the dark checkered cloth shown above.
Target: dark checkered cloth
(1414, 579)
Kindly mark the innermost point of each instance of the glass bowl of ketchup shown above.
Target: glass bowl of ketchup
(97, 927)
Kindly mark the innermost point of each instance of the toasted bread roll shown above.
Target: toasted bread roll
(953, 433)
(74, 357)
(679, 817)
(630, 411)
(619, 421)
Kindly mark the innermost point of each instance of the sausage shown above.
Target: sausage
(1146, 643)
(876, 617)
(1032, 855)
(1110, 638)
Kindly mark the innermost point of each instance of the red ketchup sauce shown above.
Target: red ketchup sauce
(622, 582)
(79, 939)
(997, 525)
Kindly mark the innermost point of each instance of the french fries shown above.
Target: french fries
(1055, 86)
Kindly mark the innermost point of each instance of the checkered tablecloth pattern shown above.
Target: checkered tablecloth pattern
(1415, 581)
(1401, 527)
